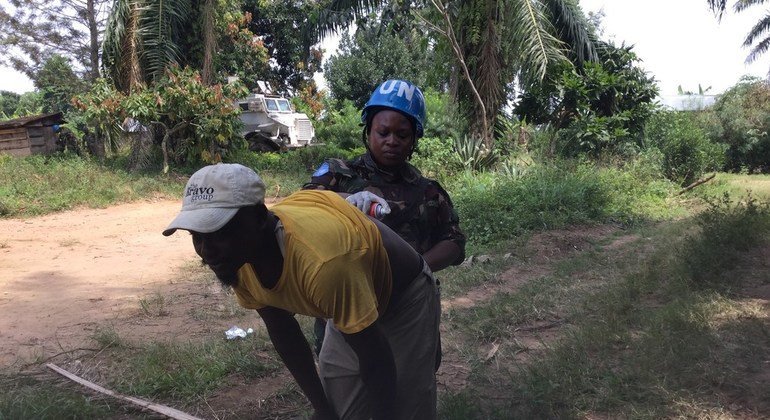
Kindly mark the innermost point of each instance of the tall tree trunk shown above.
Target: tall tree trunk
(487, 74)
(133, 69)
(93, 31)
(209, 42)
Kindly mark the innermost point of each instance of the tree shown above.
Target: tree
(143, 39)
(146, 37)
(758, 38)
(58, 84)
(288, 30)
(743, 113)
(372, 56)
(197, 123)
(31, 31)
(495, 43)
(516, 40)
(241, 52)
(9, 101)
(598, 106)
(30, 103)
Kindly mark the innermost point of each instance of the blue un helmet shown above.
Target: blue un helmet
(401, 96)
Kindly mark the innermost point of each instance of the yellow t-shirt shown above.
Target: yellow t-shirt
(335, 264)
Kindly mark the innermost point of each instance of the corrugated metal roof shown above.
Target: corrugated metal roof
(24, 121)
(688, 102)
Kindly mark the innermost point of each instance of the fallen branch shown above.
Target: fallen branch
(158, 408)
(696, 183)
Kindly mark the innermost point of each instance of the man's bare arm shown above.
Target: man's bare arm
(378, 369)
(441, 255)
(290, 343)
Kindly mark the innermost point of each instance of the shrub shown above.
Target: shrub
(441, 116)
(198, 123)
(435, 158)
(686, 149)
(341, 127)
(597, 107)
(547, 197)
(744, 114)
(302, 160)
(727, 230)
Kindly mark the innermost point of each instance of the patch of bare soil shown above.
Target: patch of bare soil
(542, 252)
(69, 277)
(67, 273)
(539, 257)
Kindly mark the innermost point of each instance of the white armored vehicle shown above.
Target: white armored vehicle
(271, 124)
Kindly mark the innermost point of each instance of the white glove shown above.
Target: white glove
(364, 199)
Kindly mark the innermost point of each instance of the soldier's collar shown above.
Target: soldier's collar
(407, 172)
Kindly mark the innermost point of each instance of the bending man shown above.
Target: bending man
(315, 254)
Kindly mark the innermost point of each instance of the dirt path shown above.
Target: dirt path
(62, 274)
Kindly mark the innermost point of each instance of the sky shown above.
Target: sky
(680, 42)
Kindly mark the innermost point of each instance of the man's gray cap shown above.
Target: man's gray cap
(214, 194)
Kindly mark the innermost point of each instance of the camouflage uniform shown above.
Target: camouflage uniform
(421, 211)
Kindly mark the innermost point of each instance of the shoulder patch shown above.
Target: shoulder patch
(322, 170)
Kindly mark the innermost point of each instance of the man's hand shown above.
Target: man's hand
(364, 199)
(291, 345)
(378, 369)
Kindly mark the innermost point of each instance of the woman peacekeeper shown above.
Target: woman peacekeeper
(415, 207)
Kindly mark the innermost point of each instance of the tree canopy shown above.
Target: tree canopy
(32, 31)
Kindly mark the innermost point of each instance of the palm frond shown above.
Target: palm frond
(758, 50)
(160, 21)
(114, 34)
(760, 29)
(573, 29)
(340, 14)
(535, 47)
(742, 5)
(718, 7)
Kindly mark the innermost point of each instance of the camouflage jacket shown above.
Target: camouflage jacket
(421, 210)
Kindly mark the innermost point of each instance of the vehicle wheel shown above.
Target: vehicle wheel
(261, 144)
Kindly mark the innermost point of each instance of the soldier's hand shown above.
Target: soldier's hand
(364, 199)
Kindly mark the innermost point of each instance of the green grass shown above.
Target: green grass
(38, 185)
(649, 339)
(550, 196)
(739, 184)
(155, 305)
(26, 397)
(189, 370)
(107, 337)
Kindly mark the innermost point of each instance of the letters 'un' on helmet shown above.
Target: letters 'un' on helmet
(401, 96)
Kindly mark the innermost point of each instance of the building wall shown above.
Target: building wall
(14, 141)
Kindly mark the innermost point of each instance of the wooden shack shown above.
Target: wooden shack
(30, 135)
